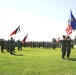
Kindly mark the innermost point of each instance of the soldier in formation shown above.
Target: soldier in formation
(11, 46)
(19, 45)
(2, 45)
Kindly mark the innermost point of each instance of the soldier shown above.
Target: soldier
(2, 45)
(72, 44)
(68, 43)
(43, 44)
(8, 45)
(19, 44)
(11, 46)
(14, 44)
(63, 42)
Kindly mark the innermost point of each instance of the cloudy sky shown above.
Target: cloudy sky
(41, 19)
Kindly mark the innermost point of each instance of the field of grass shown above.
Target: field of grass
(35, 61)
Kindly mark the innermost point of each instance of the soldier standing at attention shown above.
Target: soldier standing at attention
(18, 44)
(2, 45)
(8, 45)
(11, 46)
(63, 42)
(68, 43)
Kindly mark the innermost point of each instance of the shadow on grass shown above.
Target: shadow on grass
(16, 54)
(72, 59)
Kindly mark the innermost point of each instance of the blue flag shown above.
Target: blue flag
(73, 21)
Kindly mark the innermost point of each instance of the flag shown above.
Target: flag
(24, 39)
(58, 39)
(69, 30)
(15, 31)
(72, 21)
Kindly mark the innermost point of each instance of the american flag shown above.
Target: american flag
(69, 30)
(58, 39)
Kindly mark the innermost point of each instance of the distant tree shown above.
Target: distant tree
(54, 40)
(54, 43)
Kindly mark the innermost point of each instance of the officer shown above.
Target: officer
(63, 48)
(68, 43)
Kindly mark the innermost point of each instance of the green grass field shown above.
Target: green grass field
(35, 61)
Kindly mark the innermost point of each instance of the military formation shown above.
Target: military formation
(65, 44)
(10, 45)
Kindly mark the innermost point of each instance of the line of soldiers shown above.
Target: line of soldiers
(10, 45)
(42, 44)
(66, 46)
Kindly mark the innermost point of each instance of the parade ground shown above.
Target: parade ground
(37, 61)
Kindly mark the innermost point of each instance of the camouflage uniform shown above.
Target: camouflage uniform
(68, 43)
(11, 44)
(63, 42)
(19, 45)
(8, 46)
(2, 45)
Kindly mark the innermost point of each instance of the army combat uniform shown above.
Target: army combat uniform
(68, 44)
(11, 46)
(63, 48)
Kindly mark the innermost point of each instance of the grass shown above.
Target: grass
(35, 61)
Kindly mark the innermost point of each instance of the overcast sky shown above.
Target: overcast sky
(41, 19)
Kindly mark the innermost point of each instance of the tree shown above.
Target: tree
(54, 40)
(54, 43)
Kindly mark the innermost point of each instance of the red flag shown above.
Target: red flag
(15, 31)
(69, 30)
(58, 39)
(25, 38)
